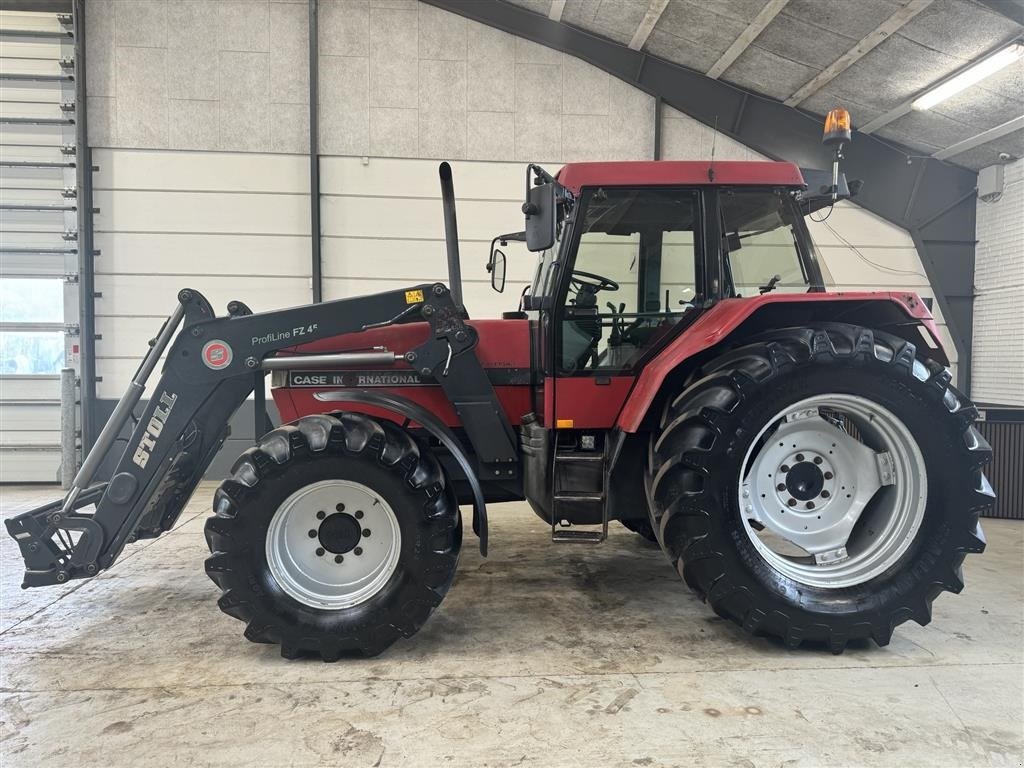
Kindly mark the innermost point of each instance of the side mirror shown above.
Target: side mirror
(497, 269)
(540, 216)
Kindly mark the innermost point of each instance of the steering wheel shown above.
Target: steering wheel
(579, 279)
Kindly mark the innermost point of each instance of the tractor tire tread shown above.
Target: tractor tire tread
(695, 427)
(349, 434)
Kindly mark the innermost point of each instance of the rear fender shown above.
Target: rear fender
(903, 314)
(415, 412)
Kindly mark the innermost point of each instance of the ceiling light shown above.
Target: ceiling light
(973, 74)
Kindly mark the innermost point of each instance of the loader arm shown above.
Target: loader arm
(212, 366)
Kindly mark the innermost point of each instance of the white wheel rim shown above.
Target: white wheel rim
(333, 544)
(828, 509)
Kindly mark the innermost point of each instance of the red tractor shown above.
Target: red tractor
(676, 365)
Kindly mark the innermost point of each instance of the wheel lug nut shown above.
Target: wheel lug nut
(357, 551)
(359, 515)
(783, 468)
(312, 534)
(810, 505)
(319, 551)
(338, 558)
(321, 515)
(799, 457)
(792, 502)
(825, 494)
(817, 459)
(780, 487)
(366, 531)
(828, 475)
(340, 507)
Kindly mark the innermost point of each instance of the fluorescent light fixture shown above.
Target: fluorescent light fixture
(973, 74)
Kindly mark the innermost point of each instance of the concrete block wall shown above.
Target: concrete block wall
(198, 74)
(998, 350)
(397, 79)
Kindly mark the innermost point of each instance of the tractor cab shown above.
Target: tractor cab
(639, 250)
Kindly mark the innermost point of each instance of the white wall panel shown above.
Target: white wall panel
(419, 260)
(184, 253)
(231, 225)
(226, 212)
(998, 354)
(414, 217)
(155, 296)
(30, 465)
(30, 417)
(18, 134)
(210, 171)
(31, 178)
(30, 388)
(392, 177)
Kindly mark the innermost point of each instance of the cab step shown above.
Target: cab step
(581, 480)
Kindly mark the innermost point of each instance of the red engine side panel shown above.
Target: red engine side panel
(504, 350)
(589, 402)
(715, 324)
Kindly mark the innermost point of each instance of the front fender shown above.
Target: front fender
(415, 412)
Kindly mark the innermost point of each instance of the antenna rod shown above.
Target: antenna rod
(714, 143)
(451, 232)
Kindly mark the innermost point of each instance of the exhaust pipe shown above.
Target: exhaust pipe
(451, 233)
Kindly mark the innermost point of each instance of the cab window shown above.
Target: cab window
(760, 245)
(633, 278)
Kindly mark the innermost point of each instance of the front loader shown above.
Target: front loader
(676, 365)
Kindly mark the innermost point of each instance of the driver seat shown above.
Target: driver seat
(587, 325)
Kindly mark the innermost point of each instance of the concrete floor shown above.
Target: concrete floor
(540, 656)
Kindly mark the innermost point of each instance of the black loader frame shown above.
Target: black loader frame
(212, 366)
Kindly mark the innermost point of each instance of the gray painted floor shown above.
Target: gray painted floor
(540, 656)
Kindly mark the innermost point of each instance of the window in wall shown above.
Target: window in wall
(31, 326)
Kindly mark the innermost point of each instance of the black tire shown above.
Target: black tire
(695, 464)
(349, 446)
(641, 527)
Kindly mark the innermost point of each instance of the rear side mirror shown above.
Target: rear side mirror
(497, 269)
(540, 216)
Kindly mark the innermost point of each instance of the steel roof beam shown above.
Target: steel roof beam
(747, 36)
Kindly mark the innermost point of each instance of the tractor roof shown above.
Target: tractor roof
(575, 176)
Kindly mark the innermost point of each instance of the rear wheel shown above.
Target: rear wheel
(820, 484)
(336, 535)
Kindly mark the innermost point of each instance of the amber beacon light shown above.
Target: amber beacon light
(837, 127)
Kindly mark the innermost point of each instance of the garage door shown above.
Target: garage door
(38, 253)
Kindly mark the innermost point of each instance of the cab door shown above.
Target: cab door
(630, 277)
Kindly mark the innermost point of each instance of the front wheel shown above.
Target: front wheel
(335, 535)
(821, 484)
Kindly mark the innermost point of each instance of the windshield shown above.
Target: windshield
(761, 242)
